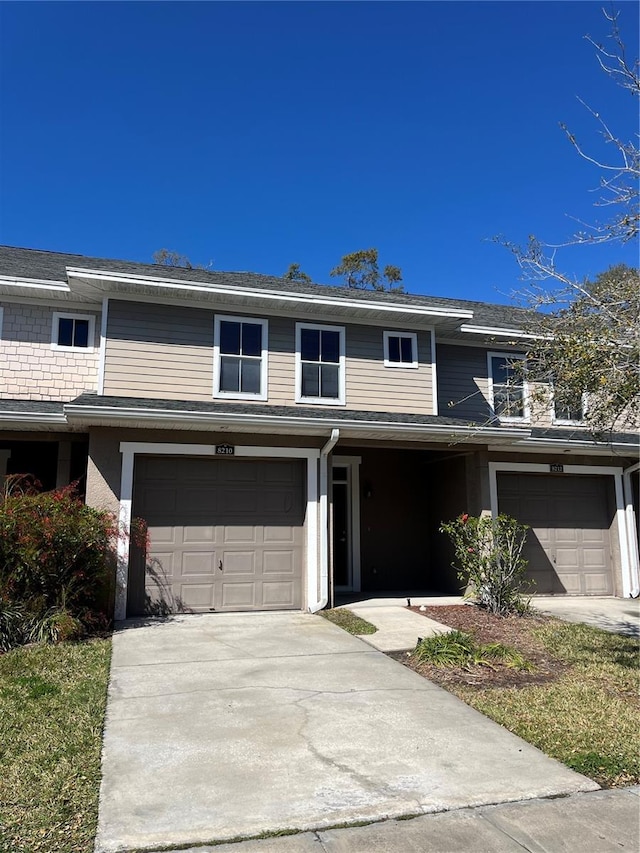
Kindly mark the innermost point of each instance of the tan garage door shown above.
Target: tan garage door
(568, 546)
(225, 534)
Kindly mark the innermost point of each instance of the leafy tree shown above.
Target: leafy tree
(295, 273)
(589, 348)
(586, 332)
(360, 271)
(168, 258)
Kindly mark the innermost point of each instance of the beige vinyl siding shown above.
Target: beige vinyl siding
(160, 351)
(375, 388)
(462, 382)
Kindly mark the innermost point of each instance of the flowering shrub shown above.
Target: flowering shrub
(54, 559)
(489, 560)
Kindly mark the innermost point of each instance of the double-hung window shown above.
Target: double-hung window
(400, 349)
(240, 358)
(568, 408)
(507, 388)
(320, 364)
(73, 331)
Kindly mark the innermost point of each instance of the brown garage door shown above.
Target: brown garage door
(225, 534)
(568, 546)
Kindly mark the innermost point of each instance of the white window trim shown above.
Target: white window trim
(264, 375)
(413, 337)
(1, 316)
(91, 336)
(340, 400)
(524, 418)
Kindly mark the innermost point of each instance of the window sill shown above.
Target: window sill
(320, 401)
(61, 348)
(238, 395)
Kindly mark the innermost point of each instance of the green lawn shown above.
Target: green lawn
(344, 618)
(589, 716)
(52, 701)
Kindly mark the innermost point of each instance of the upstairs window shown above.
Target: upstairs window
(507, 391)
(240, 358)
(400, 349)
(73, 331)
(320, 364)
(567, 408)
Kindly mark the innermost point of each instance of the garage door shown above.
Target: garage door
(223, 535)
(568, 546)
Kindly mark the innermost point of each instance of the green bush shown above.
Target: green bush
(489, 560)
(457, 648)
(54, 557)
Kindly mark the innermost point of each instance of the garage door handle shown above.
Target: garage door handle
(220, 565)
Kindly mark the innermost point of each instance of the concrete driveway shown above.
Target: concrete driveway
(618, 615)
(228, 725)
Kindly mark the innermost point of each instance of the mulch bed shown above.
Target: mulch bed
(516, 631)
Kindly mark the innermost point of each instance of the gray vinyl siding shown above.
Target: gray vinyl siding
(462, 382)
(159, 351)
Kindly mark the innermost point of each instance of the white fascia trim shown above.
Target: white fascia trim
(129, 450)
(499, 332)
(33, 417)
(280, 420)
(103, 344)
(36, 283)
(228, 290)
(604, 470)
(575, 444)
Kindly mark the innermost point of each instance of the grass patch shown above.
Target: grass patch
(589, 716)
(52, 702)
(457, 648)
(344, 618)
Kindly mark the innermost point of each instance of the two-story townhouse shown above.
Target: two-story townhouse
(288, 441)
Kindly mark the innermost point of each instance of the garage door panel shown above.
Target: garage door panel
(240, 534)
(239, 562)
(595, 583)
(282, 533)
(194, 596)
(569, 519)
(279, 594)
(237, 596)
(199, 534)
(198, 563)
(279, 563)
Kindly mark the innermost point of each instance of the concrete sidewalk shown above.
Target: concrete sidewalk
(598, 822)
(399, 628)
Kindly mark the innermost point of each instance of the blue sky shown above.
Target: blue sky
(255, 135)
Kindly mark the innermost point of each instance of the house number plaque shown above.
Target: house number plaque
(556, 468)
(225, 450)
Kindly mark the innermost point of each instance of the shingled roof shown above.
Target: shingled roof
(52, 266)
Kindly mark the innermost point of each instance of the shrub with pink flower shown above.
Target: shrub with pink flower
(489, 561)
